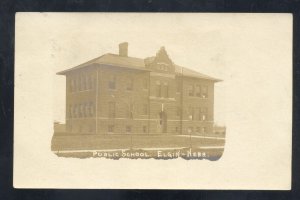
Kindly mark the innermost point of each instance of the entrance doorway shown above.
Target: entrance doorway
(162, 122)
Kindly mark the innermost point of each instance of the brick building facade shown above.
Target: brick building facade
(118, 94)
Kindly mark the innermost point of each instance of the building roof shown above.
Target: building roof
(135, 63)
(112, 60)
(191, 73)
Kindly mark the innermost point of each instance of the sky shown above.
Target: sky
(226, 48)
(197, 45)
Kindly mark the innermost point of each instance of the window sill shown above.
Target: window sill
(197, 97)
(162, 98)
(81, 91)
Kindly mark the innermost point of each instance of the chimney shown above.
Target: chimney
(123, 49)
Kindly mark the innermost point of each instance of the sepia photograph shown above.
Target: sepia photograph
(153, 101)
(132, 107)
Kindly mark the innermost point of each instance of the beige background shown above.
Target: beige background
(252, 53)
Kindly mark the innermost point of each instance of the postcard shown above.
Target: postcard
(153, 101)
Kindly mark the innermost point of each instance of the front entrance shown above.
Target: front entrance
(162, 123)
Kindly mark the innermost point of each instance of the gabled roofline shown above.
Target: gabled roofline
(98, 62)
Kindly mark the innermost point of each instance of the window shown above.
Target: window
(204, 114)
(145, 109)
(190, 130)
(178, 111)
(144, 129)
(83, 110)
(79, 83)
(75, 111)
(191, 113)
(204, 130)
(204, 92)
(191, 90)
(130, 111)
(198, 90)
(70, 111)
(158, 89)
(91, 128)
(83, 82)
(178, 86)
(112, 82)
(86, 82)
(129, 84)
(200, 114)
(90, 82)
(91, 108)
(110, 128)
(198, 130)
(79, 111)
(128, 129)
(176, 129)
(71, 85)
(76, 86)
(145, 84)
(87, 110)
(166, 90)
(112, 109)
